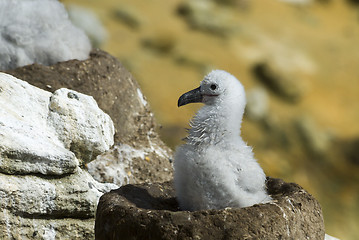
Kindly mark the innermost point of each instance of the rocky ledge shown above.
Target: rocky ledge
(150, 211)
(139, 154)
(57, 122)
(45, 138)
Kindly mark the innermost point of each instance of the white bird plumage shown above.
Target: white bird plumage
(215, 168)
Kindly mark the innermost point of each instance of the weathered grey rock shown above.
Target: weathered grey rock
(27, 143)
(18, 227)
(44, 133)
(150, 211)
(73, 212)
(118, 94)
(124, 164)
(71, 196)
(80, 124)
(115, 90)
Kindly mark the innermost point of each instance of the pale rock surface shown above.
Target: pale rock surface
(66, 124)
(42, 228)
(80, 124)
(124, 164)
(75, 195)
(44, 193)
(27, 143)
(139, 154)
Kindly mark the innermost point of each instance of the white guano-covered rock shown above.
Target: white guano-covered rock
(124, 164)
(27, 143)
(43, 133)
(75, 195)
(80, 124)
(32, 207)
(44, 194)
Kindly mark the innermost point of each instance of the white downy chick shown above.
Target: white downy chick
(216, 169)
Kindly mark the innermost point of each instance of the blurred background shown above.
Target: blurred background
(299, 63)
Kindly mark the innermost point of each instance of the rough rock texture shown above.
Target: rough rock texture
(103, 77)
(150, 211)
(124, 164)
(17, 227)
(74, 195)
(83, 128)
(43, 137)
(68, 126)
(20, 151)
(118, 94)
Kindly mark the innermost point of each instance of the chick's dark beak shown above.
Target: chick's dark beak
(192, 96)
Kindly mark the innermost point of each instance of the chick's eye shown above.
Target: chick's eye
(213, 86)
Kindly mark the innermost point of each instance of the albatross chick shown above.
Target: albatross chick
(216, 169)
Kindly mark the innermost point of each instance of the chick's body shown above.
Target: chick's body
(215, 168)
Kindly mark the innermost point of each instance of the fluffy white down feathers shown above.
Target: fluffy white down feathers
(215, 168)
(38, 31)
